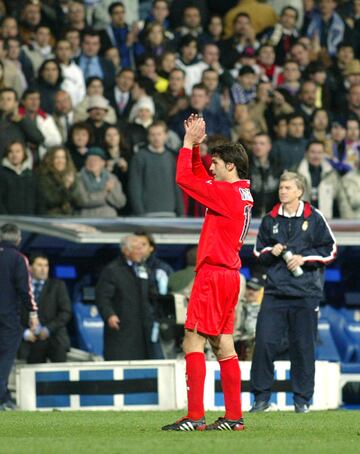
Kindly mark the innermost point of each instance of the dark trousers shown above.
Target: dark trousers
(10, 337)
(41, 350)
(298, 317)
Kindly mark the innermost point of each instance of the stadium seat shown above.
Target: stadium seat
(325, 347)
(352, 318)
(90, 328)
(347, 347)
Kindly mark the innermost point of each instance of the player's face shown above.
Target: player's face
(289, 192)
(219, 169)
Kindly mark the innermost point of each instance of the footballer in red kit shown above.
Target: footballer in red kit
(211, 309)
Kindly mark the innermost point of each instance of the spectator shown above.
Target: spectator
(215, 29)
(327, 27)
(290, 85)
(264, 175)
(199, 101)
(97, 193)
(320, 127)
(48, 82)
(307, 103)
(353, 102)
(189, 62)
(210, 79)
(15, 289)
(56, 176)
(91, 63)
(323, 188)
(159, 14)
(19, 188)
(244, 90)
(79, 140)
(73, 78)
(301, 55)
(118, 34)
(74, 38)
(11, 76)
(351, 184)
(12, 126)
(118, 160)
(9, 27)
(344, 56)
(97, 110)
(345, 149)
(45, 123)
(247, 134)
(191, 25)
(51, 340)
(173, 100)
(266, 60)
(23, 64)
(283, 35)
(120, 96)
(247, 313)
(113, 56)
(94, 87)
(30, 19)
(261, 15)
(64, 113)
(76, 16)
(291, 296)
(147, 69)
(243, 36)
(40, 48)
(280, 127)
(122, 296)
(152, 187)
(166, 63)
(154, 42)
(290, 151)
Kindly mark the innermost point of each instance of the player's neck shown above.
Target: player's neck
(291, 207)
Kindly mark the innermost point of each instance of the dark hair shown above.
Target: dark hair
(89, 32)
(200, 87)
(83, 126)
(145, 84)
(37, 255)
(91, 79)
(42, 67)
(344, 44)
(156, 123)
(279, 118)
(28, 92)
(263, 134)
(314, 142)
(234, 153)
(125, 70)
(178, 70)
(8, 149)
(246, 69)
(243, 14)
(113, 6)
(148, 236)
(186, 40)
(11, 90)
(292, 9)
(10, 233)
(294, 115)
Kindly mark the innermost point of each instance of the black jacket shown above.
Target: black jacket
(120, 292)
(307, 234)
(15, 285)
(54, 310)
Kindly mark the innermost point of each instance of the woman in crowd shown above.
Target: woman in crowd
(19, 189)
(57, 182)
(48, 83)
(80, 137)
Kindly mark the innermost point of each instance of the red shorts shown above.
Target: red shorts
(213, 299)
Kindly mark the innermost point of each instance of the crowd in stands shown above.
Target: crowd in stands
(93, 95)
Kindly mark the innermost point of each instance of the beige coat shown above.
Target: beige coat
(12, 77)
(329, 190)
(351, 184)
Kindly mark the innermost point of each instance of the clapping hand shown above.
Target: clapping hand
(194, 131)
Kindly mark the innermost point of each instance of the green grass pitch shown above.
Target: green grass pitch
(139, 432)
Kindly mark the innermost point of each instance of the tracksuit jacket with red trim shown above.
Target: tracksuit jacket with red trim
(15, 281)
(307, 234)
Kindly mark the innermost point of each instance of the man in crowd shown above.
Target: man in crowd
(50, 340)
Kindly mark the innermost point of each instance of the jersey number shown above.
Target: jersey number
(247, 220)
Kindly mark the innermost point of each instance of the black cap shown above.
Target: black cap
(255, 283)
(246, 69)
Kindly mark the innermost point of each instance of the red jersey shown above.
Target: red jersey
(228, 214)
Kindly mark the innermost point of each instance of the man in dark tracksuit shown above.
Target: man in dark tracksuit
(291, 302)
(15, 288)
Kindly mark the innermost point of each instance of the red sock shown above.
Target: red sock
(231, 385)
(195, 380)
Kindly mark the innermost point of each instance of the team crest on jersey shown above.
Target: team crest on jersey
(275, 229)
(246, 194)
(305, 226)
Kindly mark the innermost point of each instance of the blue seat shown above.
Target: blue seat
(347, 347)
(325, 347)
(90, 328)
(352, 318)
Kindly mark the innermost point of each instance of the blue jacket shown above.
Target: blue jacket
(307, 234)
(15, 282)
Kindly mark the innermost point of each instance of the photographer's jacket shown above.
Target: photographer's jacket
(307, 233)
